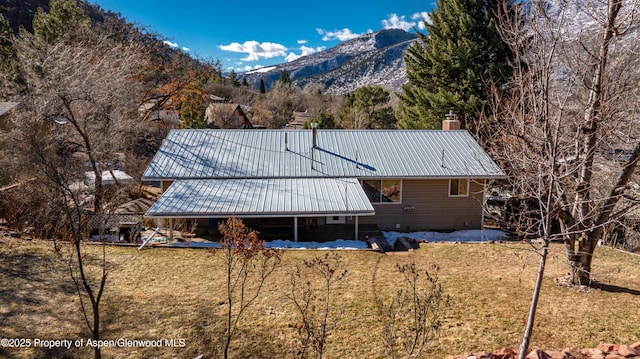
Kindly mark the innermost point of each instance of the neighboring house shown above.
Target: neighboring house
(392, 179)
(298, 120)
(227, 115)
(110, 177)
(5, 107)
(124, 223)
(153, 111)
(216, 99)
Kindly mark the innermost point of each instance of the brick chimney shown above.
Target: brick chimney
(450, 123)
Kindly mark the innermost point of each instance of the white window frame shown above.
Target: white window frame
(383, 179)
(338, 220)
(466, 194)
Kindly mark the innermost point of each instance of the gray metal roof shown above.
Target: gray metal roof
(284, 197)
(191, 154)
(6, 107)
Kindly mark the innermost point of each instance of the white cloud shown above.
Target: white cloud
(342, 35)
(171, 44)
(302, 42)
(421, 17)
(185, 49)
(305, 50)
(255, 50)
(397, 22)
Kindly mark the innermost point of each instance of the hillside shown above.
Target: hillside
(20, 13)
(374, 58)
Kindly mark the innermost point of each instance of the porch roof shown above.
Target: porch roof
(270, 197)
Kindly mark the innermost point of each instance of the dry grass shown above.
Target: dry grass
(177, 293)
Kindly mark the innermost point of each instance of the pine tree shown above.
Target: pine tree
(284, 78)
(9, 65)
(367, 107)
(233, 78)
(63, 15)
(262, 89)
(449, 68)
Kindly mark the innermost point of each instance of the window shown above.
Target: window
(383, 191)
(458, 187)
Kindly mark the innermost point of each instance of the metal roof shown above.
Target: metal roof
(109, 177)
(6, 107)
(193, 154)
(284, 197)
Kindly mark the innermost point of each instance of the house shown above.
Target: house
(298, 119)
(5, 107)
(216, 99)
(109, 177)
(153, 110)
(227, 115)
(405, 180)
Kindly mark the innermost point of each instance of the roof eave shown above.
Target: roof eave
(256, 215)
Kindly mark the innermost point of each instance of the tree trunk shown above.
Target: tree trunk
(581, 269)
(534, 302)
(96, 331)
(587, 224)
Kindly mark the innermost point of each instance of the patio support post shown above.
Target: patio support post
(295, 228)
(484, 203)
(356, 228)
(171, 229)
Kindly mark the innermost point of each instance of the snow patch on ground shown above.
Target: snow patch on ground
(467, 236)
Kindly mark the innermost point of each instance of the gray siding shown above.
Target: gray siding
(433, 209)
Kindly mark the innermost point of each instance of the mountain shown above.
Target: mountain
(375, 58)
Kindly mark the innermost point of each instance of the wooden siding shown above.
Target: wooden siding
(430, 208)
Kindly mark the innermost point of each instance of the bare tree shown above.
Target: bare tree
(84, 96)
(283, 99)
(572, 102)
(411, 318)
(76, 116)
(565, 111)
(248, 264)
(311, 293)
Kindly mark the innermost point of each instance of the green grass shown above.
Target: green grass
(178, 293)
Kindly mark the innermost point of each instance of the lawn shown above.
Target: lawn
(173, 293)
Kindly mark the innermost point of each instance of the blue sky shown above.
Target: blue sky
(249, 34)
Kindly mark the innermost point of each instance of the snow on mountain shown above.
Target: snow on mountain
(372, 59)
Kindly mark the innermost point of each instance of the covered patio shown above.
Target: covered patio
(297, 199)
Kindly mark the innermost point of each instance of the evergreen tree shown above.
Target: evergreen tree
(324, 121)
(262, 89)
(63, 15)
(284, 78)
(449, 69)
(368, 107)
(244, 82)
(192, 106)
(9, 65)
(233, 77)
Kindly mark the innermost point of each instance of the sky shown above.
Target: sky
(245, 35)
